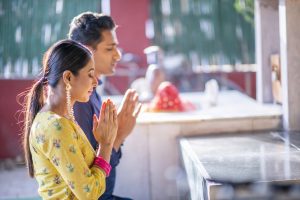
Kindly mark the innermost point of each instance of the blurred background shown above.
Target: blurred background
(198, 40)
(194, 41)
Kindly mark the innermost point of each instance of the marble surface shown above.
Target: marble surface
(243, 158)
(154, 141)
(230, 105)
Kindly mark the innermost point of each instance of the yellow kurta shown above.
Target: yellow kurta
(63, 160)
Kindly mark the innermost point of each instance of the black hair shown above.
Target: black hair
(63, 55)
(87, 28)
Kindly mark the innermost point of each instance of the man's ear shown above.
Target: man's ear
(67, 75)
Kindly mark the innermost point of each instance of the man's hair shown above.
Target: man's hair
(87, 28)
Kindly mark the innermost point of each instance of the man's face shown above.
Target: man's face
(106, 55)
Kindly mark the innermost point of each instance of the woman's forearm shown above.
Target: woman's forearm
(105, 152)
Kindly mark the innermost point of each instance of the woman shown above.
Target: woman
(57, 152)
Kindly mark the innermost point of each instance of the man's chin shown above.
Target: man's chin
(109, 73)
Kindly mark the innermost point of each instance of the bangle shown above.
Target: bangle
(101, 163)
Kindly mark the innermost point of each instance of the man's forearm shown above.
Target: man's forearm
(118, 142)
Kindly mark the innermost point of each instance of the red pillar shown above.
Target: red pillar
(131, 16)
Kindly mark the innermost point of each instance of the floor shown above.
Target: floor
(15, 184)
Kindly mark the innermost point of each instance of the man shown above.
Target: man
(98, 33)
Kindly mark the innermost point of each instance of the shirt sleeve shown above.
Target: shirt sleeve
(61, 146)
(83, 113)
(115, 157)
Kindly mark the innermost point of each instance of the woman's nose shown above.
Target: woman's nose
(95, 81)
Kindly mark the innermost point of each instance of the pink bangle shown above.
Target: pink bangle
(101, 163)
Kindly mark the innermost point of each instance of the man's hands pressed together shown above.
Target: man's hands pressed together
(127, 114)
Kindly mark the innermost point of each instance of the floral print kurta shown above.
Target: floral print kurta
(63, 160)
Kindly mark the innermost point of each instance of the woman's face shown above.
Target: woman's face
(84, 83)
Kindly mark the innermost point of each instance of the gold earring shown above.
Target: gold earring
(69, 106)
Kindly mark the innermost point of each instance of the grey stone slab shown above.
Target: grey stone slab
(292, 137)
(246, 158)
(243, 166)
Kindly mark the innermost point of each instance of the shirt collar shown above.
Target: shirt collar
(99, 82)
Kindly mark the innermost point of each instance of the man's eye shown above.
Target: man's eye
(110, 49)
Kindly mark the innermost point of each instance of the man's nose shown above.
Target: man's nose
(118, 55)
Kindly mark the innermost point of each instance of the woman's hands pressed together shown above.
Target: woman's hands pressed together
(105, 128)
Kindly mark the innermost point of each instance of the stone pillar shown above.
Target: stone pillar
(289, 17)
(266, 44)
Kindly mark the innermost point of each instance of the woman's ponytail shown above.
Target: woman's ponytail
(34, 102)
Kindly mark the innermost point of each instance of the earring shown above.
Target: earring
(69, 106)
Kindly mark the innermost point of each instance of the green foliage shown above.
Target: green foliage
(29, 27)
(212, 29)
(246, 9)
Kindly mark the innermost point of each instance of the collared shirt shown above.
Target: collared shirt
(84, 116)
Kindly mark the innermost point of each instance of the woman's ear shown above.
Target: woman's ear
(67, 75)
